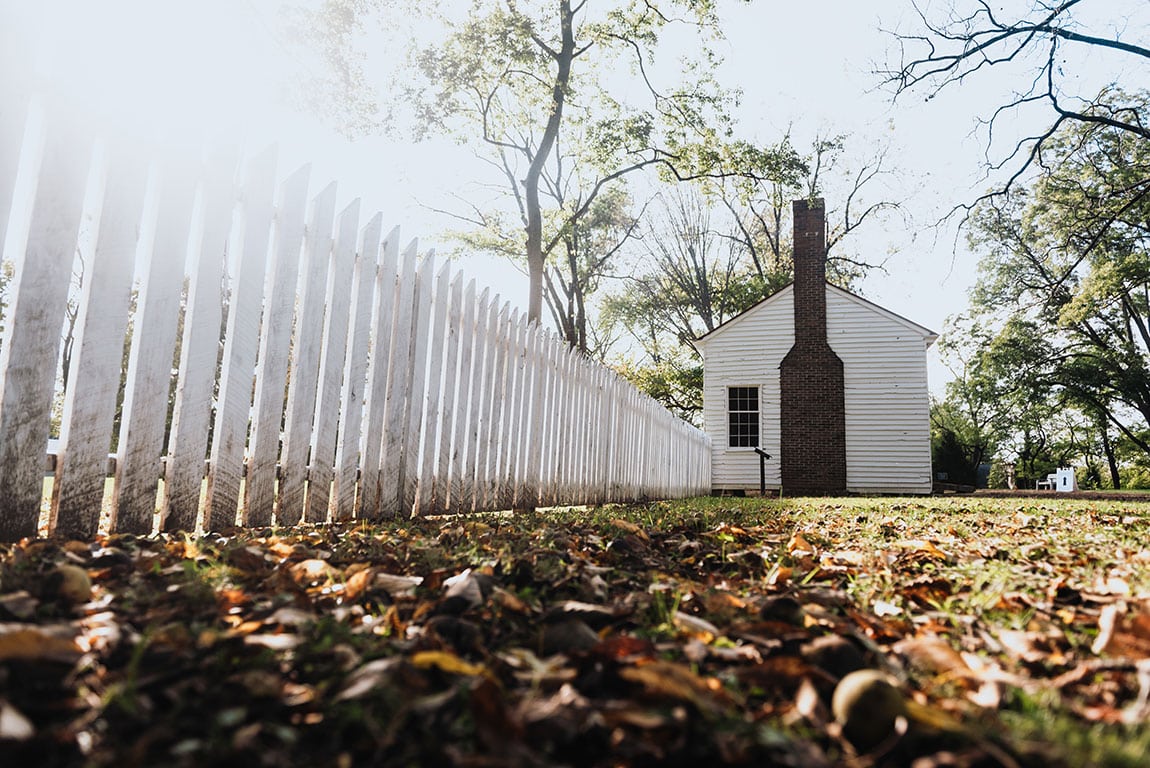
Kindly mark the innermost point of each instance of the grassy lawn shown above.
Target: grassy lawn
(701, 632)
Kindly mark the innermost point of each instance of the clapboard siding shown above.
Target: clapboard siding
(887, 401)
(322, 374)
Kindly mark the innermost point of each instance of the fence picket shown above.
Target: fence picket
(322, 467)
(433, 423)
(416, 385)
(229, 433)
(149, 376)
(347, 455)
(101, 324)
(478, 362)
(275, 346)
(503, 415)
(516, 368)
(463, 399)
(32, 329)
(305, 359)
(199, 350)
(383, 320)
(398, 374)
(450, 386)
(485, 456)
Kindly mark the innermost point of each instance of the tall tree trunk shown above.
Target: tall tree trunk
(1111, 459)
(535, 257)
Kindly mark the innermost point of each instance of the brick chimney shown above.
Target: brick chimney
(811, 375)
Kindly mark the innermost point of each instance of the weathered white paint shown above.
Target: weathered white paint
(887, 402)
(347, 455)
(275, 346)
(335, 330)
(306, 355)
(454, 320)
(414, 425)
(101, 322)
(398, 376)
(458, 482)
(199, 350)
(149, 378)
(435, 421)
(486, 450)
(497, 434)
(478, 361)
(376, 406)
(32, 329)
(241, 340)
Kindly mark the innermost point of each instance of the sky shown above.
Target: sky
(180, 74)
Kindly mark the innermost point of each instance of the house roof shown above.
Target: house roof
(928, 335)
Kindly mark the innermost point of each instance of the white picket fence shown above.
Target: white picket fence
(323, 372)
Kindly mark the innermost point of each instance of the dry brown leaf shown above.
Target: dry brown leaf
(630, 527)
(925, 547)
(798, 546)
(313, 572)
(934, 656)
(22, 643)
(1122, 633)
(666, 680)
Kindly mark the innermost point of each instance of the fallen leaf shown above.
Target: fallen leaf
(445, 662)
(667, 680)
(798, 546)
(630, 527)
(22, 643)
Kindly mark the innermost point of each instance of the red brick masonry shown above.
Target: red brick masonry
(813, 425)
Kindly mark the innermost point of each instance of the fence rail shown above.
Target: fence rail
(273, 359)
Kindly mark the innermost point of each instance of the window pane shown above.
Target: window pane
(743, 430)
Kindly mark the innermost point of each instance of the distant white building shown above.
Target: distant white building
(842, 407)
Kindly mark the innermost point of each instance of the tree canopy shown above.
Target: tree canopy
(1063, 296)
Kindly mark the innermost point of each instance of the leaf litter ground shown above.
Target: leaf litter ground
(1005, 632)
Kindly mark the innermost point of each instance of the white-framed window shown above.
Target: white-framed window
(742, 417)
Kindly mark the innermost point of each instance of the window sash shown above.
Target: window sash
(743, 417)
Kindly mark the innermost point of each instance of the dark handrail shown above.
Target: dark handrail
(763, 456)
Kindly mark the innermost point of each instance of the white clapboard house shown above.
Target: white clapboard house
(832, 386)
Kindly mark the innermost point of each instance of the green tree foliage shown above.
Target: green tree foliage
(564, 99)
(1065, 283)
